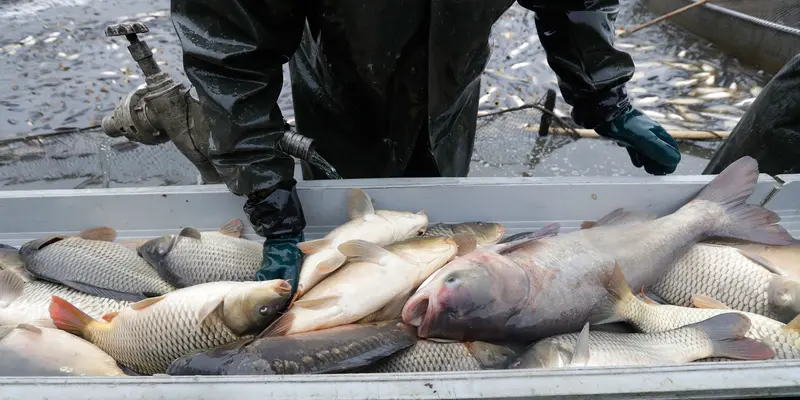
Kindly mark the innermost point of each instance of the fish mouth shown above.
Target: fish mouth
(418, 311)
(284, 288)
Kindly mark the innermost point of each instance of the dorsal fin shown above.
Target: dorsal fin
(102, 233)
(580, 355)
(359, 204)
(618, 217)
(232, 228)
(793, 325)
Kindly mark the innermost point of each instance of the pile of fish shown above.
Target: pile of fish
(389, 292)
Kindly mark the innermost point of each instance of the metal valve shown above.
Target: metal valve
(139, 50)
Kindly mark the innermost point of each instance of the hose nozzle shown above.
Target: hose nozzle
(297, 145)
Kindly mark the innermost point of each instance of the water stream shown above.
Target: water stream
(319, 162)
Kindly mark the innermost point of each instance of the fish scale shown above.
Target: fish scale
(427, 356)
(720, 272)
(174, 321)
(102, 264)
(33, 303)
(659, 318)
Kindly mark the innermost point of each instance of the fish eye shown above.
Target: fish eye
(264, 310)
(451, 281)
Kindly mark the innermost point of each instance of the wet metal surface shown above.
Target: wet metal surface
(60, 71)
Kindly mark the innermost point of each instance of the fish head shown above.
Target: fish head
(154, 251)
(250, 307)
(29, 249)
(473, 296)
(433, 251)
(485, 233)
(784, 297)
(405, 224)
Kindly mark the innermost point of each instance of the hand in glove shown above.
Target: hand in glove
(648, 144)
(282, 260)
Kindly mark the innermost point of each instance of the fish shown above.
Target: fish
(650, 317)
(724, 108)
(707, 90)
(646, 101)
(381, 227)
(743, 281)
(485, 233)
(721, 116)
(719, 336)
(150, 334)
(716, 96)
(521, 65)
(9, 257)
(24, 299)
(745, 102)
(27, 350)
(756, 90)
(685, 83)
(430, 356)
(191, 257)
(338, 349)
(686, 101)
(683, 66)
(654, 114)
(93, 263)
(782, 260)
(377, 280)
(548, 286)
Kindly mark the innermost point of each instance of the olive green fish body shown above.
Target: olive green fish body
(485, 233)
(96, 267)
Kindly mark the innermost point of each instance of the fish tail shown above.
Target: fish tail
(69, 318)
(730, 190)
(726, 333)
(619, 295)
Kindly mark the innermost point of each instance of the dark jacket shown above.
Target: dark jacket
(386, 88)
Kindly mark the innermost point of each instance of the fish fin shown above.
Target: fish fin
(190, 233)
(730, 190)
(364, 250)
(703, 301)
(279, 327)
(619, 217)
(142, 304)
(466, 243)
(580, 355)
(548, 230)
(314, 246)
(11, 287)
(31, 328)
(110, 316)
(69, 318)
(208, 308)
(492, 356)
(359, 204)
(438, 340)
(762, 262)
(103, 292)
(319, 302)
(132, 244)
(793, 325)
(726, 332)
(232, 228)
(102, 233)
(331, 263)
(619, 293)
(647, 299)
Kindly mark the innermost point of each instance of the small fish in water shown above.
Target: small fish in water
(520, 65)
(24, 299)
(686, 101)
(710, 80)
(654, 114)
(485, 233)
(682, 54)
(637, 90)
(92, 263)
(755, 91)
(516, 100)
(719, 336)
(381, 227)
(745, 102)
(720, 116)
(528, 289)
(518, 50)
(192, 257)
(484, 99)
(646, 101)
(621, 45)
(151, 334)
(707, 68)
(743, 281)
(648, 317)
(683, 66)
(707, 90)
(717, 96)
(701, 75)
(725, 109)
(646, 48)
(27, 350)
(430, 356)
(685, 83)
(330, 350)
(379, 280)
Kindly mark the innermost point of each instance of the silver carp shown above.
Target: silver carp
(548, 286)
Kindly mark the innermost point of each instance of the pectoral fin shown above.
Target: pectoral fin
(703, 301)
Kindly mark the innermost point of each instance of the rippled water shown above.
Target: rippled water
(60, 71)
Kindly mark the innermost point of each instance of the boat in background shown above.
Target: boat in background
(762, 33)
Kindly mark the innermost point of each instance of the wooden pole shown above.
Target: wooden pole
(663, 17)
(679, 135)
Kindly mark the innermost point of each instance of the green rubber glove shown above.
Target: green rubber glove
(282, 260)
(648, 143)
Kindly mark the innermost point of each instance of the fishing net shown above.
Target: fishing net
(514, 140)
(783, 12)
